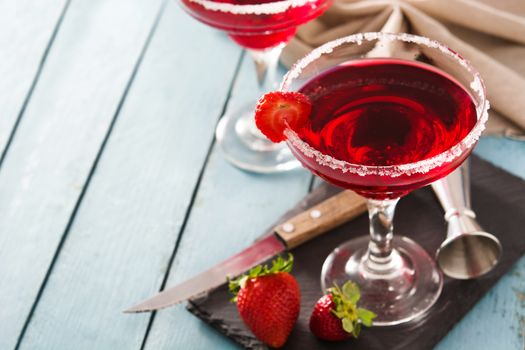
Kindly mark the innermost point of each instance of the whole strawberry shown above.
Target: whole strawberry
(268, 300)
(336, 315)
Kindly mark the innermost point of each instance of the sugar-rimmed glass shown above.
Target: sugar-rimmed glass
(263, 27)
(398, 279)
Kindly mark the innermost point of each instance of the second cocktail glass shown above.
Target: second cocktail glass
(390, 114)
(263, 27)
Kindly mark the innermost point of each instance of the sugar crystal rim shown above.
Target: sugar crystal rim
(257, 9)
(422, 166)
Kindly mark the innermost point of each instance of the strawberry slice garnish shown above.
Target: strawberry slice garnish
(278, 110)
(336, 315)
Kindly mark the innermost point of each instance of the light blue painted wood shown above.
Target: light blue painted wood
(232, 208)
(504, 153)
(26, 27)
(122, 238)
(498, 320)
(57, 140)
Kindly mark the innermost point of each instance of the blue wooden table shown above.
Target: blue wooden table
(111, 186)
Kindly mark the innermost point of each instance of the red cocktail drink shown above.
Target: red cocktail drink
(256, 24)
(263, 27)
(385, 112)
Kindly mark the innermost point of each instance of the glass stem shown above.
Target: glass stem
(379, 258)
(266, 62)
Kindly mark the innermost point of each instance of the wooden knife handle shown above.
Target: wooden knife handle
(321, 218)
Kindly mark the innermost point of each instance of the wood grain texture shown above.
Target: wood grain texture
(49, 160)
(231, 209)
(120, 242)
(123, 235)
(504, 153)
(26, 30)
(321, 218)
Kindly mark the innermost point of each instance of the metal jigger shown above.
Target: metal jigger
(467, 252)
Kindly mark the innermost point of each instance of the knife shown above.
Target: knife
(319, 219)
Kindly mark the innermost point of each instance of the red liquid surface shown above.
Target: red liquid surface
(257, 30)
(381, 112)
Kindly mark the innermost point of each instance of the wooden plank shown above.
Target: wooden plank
(498, 320)
(26, 30)
(231, 209)
(123, 236)
(62, 130)
(505, 153)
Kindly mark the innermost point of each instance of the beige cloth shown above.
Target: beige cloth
(489, 33)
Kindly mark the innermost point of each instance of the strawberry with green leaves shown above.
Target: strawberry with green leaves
(268, 301)
(336, 315)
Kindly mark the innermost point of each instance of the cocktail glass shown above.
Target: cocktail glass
(398, 279)
(263, 27)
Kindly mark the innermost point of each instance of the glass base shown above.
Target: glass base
(247, 148)
(401, 292)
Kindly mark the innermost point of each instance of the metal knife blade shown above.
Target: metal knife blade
(320, 218)
(214, 277)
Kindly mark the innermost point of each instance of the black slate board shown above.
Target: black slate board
(498, 199)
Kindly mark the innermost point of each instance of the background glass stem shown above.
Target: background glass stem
(266, 67)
